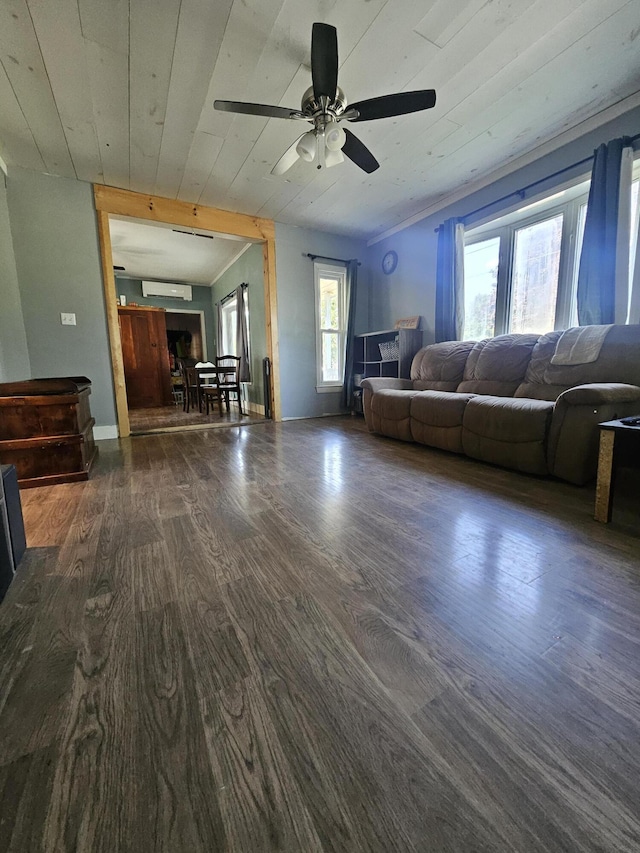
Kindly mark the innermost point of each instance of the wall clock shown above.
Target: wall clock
(389, 262)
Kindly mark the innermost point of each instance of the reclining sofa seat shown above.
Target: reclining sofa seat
(503, 401)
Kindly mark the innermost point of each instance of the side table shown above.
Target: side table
(619, 448)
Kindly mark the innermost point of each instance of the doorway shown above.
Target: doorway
(186, 334)
(125, 204)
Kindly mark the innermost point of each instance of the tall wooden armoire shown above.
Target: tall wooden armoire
(143, 332)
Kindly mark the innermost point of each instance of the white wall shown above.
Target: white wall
(57, 254)
(14, 356)
(296, 315)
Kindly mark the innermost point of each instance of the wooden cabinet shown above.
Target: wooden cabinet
(143, 332)
(391, 360)
(46, 430)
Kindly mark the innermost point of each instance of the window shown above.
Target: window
(230, 324)
(536, 265)
(520, 270)
(331, 324)
(480, 283)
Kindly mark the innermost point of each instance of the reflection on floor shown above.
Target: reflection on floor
(173, 418)
(303, 637)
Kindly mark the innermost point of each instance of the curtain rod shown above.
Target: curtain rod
(326, 258)
(233, 293)
(521, 192)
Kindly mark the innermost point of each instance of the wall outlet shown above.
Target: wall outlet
(68, 319)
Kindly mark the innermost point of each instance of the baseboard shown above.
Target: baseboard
(313, 417)
(257, 408)
(102, 432)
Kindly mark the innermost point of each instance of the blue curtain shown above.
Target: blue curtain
(597, 271)
(450, 281)
(242, 334)
(352, 286)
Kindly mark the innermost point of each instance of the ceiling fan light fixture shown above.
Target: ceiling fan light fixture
(333, 158)
(324, 105)
(307, 146)
(334, 137)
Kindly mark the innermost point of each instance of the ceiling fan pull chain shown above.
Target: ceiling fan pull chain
(321, 148)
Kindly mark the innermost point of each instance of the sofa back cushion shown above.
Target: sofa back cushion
(497, 366)
(619, 361)
(534, 385)
(440, 367)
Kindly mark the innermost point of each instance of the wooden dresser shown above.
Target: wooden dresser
(46, 430)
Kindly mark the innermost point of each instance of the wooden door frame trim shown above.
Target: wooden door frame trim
(110, 200)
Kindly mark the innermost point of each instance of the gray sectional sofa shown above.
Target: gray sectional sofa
(527, 402)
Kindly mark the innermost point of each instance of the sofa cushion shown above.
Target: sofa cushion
(618, 362)
(508, 431)
(534, 385)
(497, 366)
(436, 419)
(432, 385)
(439, 367)
(390, 413)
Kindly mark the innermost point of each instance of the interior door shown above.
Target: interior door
(145, 356)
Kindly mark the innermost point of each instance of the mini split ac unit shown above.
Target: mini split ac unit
(164, 288)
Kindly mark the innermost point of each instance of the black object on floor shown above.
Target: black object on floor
(12, 536)
(266, 373)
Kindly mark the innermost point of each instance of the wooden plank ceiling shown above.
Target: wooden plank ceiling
(122, 93)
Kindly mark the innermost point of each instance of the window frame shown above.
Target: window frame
(322, 269)
(505, 228)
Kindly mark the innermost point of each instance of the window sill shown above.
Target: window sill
(329, 389)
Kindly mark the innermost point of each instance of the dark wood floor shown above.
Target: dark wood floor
(301, 637)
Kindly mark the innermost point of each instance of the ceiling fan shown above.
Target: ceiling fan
(325, 106)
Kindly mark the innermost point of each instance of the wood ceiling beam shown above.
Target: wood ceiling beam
(157, 209)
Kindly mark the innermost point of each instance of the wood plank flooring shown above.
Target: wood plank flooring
(301, 637)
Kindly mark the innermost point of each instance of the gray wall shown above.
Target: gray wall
(248, 268)
(411, 289)
(55, 241)
(132, 289)
(14, 356)
(296, 315)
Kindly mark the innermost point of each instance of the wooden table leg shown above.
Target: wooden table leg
(606, 474)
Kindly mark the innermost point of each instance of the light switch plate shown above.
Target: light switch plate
(68, 319)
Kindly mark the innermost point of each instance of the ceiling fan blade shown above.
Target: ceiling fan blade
(394, 105)
(288, 159)
(324, 61)
(359, 153)
(256, 109)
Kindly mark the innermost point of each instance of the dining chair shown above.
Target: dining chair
(228, 371)
(191, 390)
(211, 393)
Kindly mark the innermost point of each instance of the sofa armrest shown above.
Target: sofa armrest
(572, 449)
(377, 383)
(599, 393)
